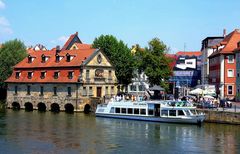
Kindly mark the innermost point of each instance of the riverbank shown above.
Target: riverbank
(224, 117)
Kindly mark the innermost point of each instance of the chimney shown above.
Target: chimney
(224, 32)
(58, 49)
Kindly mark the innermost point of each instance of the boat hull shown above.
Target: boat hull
(193, 120)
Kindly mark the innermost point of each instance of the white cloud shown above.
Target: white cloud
(4, 22)
(2, 5)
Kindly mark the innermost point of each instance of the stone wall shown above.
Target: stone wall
(47, 98)
(222, 117)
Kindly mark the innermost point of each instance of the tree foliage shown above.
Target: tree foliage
(154, 62)
(11, 53)
(119, 55)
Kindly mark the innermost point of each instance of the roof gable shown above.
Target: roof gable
(71, 40)
(98, 58)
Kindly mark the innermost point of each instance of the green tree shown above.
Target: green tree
(155, 63)
(11, 53)
(119, 55)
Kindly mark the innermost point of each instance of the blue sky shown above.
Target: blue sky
(175, 22)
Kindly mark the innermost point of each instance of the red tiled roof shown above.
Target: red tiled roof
(49, 78)
(230, 42)
(79, 56)
(189, 53)
(83, 46)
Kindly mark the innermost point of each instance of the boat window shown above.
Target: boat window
(187, 112)
(112, 110)
(136, 111)
(172, 112)
(130, 111)
(150, 112)
(100, 110)
(124, 110)
(164, 112)
(143, 111)
(117, 110)
(194, 112)
(181, 113)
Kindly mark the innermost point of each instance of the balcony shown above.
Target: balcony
(99, 79)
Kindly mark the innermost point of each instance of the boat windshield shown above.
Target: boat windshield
(187, 112)
(194, 112)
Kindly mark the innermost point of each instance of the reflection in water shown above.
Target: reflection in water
(37, 132)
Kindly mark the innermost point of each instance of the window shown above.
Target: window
(41, 91)
(43, 74)
(230, 58)
(130, 111)
(133, 88)
(43, 58)
(164, 112)
(117, 110)
(90, 91)
(16, 90)
(172, 112)
(70, 74)
(57, 58)
(230, 73)
(112, 90)
(55, 91)
(30, 59)
(110, 75)
(56, 75)
(28, 90)
(69, 91)
(143, 111)
(112, 110)
(124, 110)
(30, 75)
(84, 91)
(106, 90)
(17, 75)
(150, 111)
(87, 74)
(141, 88)
(136, 111)
(230, 89)
(180, 113)
(68, 58)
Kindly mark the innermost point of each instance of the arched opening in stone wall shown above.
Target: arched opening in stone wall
(87, 108)
(55, 107)
(15, 106)
(41, 107)
(69, 108)
(28, 106)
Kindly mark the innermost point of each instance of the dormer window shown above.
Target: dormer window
(68, 58)
(43, 58)
(30, 74)
(56, 75)
(17, 75)
(30, 59)
(57, 58)
(43, 75)
(70, 74)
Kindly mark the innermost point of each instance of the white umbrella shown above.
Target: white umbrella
(197, 91)
(208, 96)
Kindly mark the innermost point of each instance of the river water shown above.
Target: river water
(36, 132)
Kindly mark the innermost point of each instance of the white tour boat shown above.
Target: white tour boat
(157, 111)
